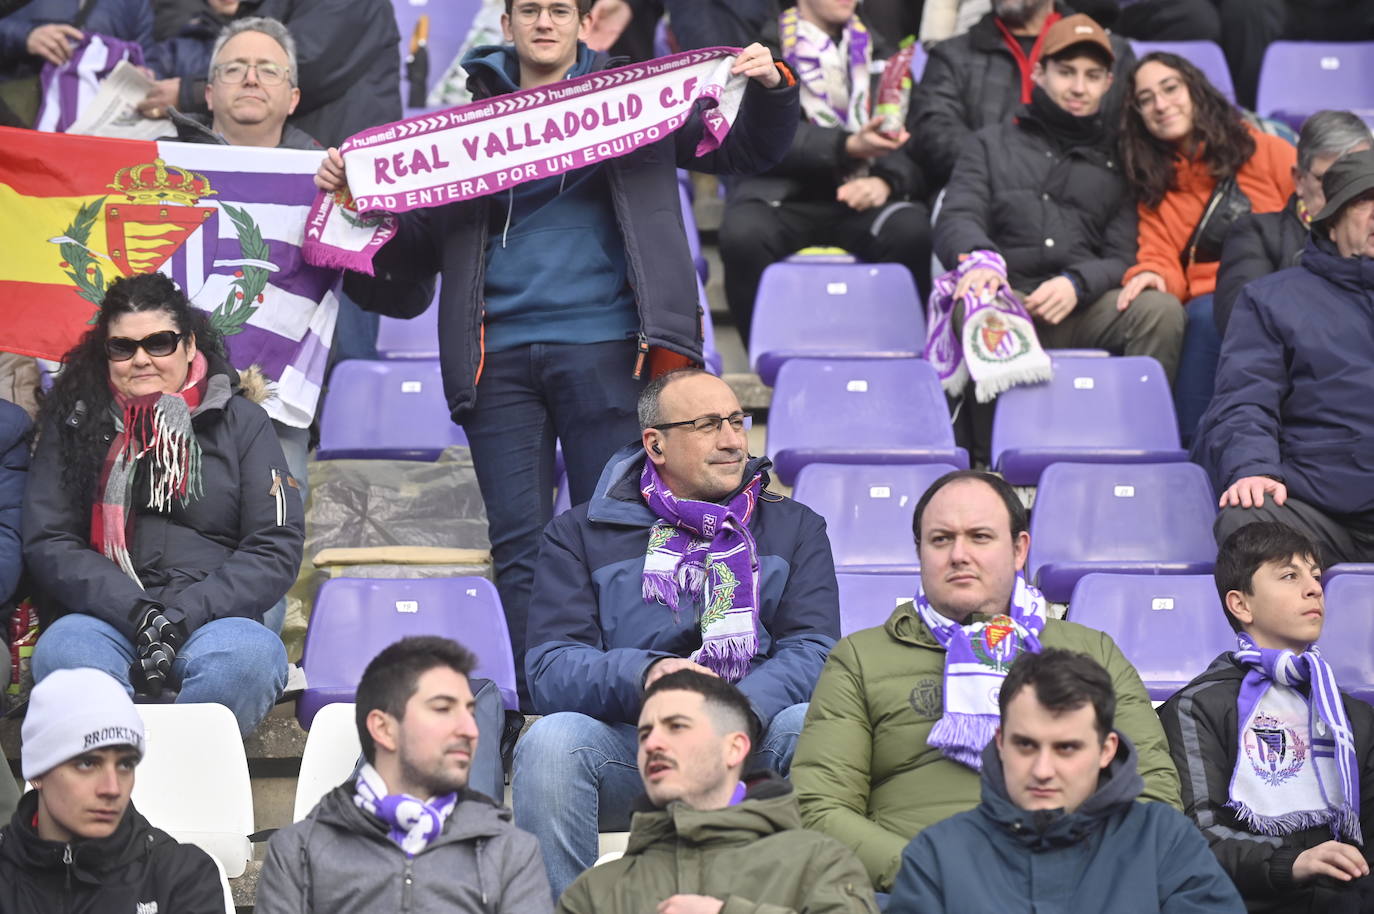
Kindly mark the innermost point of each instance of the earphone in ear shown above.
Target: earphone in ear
(656, 449)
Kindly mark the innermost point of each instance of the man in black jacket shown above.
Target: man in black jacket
(1259, 748)
(1263, 243)
(76, 843)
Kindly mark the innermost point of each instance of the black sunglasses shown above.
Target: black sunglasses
(164, 342)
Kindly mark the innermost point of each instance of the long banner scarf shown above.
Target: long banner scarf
(977, 658)
(705, 549)
(833, 78)
(1284, 783)
(413, 822)
(66, 88)
(998, 346)
(158, 425)
(494, 144)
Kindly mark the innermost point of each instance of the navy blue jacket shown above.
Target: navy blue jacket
(131, 20)
(592, 636)
(1111, 854)
(1295, 385)
(453, 239)
(14, 472)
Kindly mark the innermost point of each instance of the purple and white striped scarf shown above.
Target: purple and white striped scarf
(1281, 783)
(977, 658)
(998, 346)
(834, 78)
(704, 548)
(414, 823)
(65, 89)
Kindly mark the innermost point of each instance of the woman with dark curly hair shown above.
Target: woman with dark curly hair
(160, 523)
(1196, 165)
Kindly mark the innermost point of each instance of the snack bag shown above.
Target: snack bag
(894, 89)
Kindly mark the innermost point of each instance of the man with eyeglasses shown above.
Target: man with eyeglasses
(682, 560)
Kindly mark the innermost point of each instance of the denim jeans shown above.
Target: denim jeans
(575, 775)
(234, 662)
(1197, 367)
(583, 395)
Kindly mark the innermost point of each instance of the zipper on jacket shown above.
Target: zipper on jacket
(279, 494)
(407, 882)
(481, 883)
(67, 893)
(642, 357)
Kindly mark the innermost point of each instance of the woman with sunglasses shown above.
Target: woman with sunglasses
(160, 523)
(1196, 165)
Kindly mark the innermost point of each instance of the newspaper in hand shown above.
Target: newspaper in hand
(114, 110)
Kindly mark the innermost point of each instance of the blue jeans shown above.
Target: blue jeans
(528, 398)
(1197, 367)
(574, 773)
(234, 662)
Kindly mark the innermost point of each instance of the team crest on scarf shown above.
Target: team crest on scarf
(998, 644)
(998, 339)
(1275, 751)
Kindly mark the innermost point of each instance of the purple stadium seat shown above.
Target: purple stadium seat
(1301, 77)
(866, 600)
(1170, 627)
(562, 496)
(918, 64)
(858, 411)
(689, 223)
(835, 311)
(1347, 639)
(1205, 55)
(386, 411)
(1121, 519)
(448, 28)
(1346, 568)
(354, 618)
(1095, 410)
(416, 338)
(821, 255)
(714, 362)
(867, 510)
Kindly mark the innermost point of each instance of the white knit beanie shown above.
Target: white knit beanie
(76, 711)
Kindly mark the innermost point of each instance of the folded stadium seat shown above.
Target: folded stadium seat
(1095, 410)
(1170, 627)
(1347, 640)
(858, 411)
(866, 600)
(193, 781)
(821, 254)
(689, 222)
(416, 338)
(354, 618)
(562, 498)
(1207, 56)
(1122, 519)
(867, 510)
(714, 362)
(331, 753)
(1346, 568)
(918, 63)
(1299, 78)
(386, 411)
(449, 23)
(834, 311)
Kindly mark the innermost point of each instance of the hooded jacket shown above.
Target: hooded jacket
(340, 860)
(138, 867)
(863, 769)
(234, 551)
(452, 239)
(197, 128)
(1293, 385)
(592, 636)
(1200, 722)
(1110, 854)
(1257, 245)
(755, 856)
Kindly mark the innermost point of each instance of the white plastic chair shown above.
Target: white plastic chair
(331, 753)
(224, 883)
(193, 780)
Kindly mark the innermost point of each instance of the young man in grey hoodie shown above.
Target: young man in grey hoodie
(405, 826)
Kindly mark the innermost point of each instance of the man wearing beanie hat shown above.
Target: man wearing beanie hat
(1286, 437)
(76, 844)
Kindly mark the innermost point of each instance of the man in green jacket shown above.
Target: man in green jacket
(706, 840)
(889, 746)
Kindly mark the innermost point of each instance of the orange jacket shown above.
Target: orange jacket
(1266, 178)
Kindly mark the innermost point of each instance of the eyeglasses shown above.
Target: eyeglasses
(559, 13)
(1169, 90)
(235, 72)
(164, 342)
(710, 424)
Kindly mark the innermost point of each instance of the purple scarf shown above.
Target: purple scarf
(413, 822)
(701, 546)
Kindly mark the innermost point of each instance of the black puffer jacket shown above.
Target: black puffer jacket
(972, 81)
(138, 868)
(1047, 210)
(1257, 245)
(1200, 722)
(232, 552)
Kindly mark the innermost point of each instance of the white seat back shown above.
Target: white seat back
(331, 753)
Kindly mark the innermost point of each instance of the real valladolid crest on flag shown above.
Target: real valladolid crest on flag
(224, 222)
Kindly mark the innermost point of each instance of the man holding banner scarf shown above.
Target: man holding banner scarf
(562, 293)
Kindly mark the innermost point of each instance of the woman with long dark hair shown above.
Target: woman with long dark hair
(1196, 165)
(160, 523)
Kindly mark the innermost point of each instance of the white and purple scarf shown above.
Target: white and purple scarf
(706, 550)
(65, 89)
(833, 77)
(414, 823)
(1295, 763)
(977, 658)
(998, 346)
